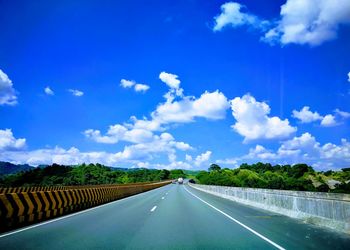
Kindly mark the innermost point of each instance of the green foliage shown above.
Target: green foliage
(214, 167)
(177, 173)
(342, 188)
(299, 177)
(91, 174)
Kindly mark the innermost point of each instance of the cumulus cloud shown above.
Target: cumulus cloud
(118, 133)
(163, 143)
(202, 158)
(7, 92)
(342, 114)
(188, 157)
(306, 116)
(170, 79)
(328, 121)
(76, 92)
(209, 105)
(141, 87)
(9, 143)
(48, 91)
(127, 83)
(309, 22)
(132, 154)
(148, 137)
(138, 87)
(349, 77)
(232, 14)
(59, 155)
(304, 149)
(253, 120)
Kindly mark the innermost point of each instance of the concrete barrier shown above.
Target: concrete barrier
(325, 209)
(24, 208)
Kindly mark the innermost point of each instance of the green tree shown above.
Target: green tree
(214, 167)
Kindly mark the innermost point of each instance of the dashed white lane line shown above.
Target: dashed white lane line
(238, 222)
(153, 208)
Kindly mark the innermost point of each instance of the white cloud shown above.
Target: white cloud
(59, 155)
(188, 157)
(328, 121)
(118, 133)
(143, 135)
(202, 158)
(7, 92)
(309, 22)
(304, 149)
(151, 125)
(163, 143)
(76, 92)
(170, 80)
(349, 76)
(127, 83)
(232, 15)
(132, 154)
(342, 114)
(141, 87)
(209, 105)
(253, 122)
(9, 143)
(306, 116)
(48, 91)
(138, 87)
(261, 153)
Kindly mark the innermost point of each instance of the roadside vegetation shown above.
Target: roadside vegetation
(260, 175)
(85, 174)
(263, 175)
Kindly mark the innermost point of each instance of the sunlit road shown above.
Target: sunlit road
(174, 217)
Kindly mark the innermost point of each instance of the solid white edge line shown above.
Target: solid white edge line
(153, 208)
(71, 215)
(238, 222)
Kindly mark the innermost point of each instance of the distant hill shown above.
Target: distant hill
(9, 168)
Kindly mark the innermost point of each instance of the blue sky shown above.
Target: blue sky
(175, 84)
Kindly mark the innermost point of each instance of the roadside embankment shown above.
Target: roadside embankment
(330, 210)
(23, 208)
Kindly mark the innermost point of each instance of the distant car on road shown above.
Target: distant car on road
(180, 180)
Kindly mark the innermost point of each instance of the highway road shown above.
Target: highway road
(173, 217)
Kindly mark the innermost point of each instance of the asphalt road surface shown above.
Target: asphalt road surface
(173, 217)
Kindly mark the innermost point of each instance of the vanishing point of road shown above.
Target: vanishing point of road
(173, 217)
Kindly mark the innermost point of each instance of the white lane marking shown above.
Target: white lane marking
(153, 208)
(74, 214)
(238, 222)
(163, 198)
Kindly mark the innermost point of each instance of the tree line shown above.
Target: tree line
(85, 174)
(299, 177)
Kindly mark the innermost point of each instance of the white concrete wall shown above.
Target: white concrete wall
(325, 209)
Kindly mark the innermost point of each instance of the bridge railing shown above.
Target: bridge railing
(331, 210)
